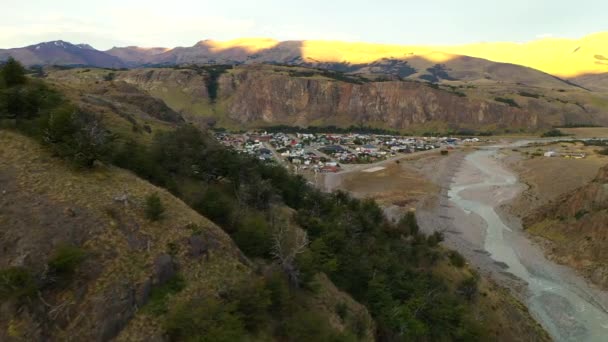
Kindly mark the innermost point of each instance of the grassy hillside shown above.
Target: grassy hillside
(94, 252)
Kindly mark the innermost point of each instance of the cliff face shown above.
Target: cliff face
(578, 221)
(264, 95)
(255, 96)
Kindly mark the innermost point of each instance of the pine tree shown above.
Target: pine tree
(13, 73)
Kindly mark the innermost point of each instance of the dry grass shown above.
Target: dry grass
(397, 184)
(124, 244)
(548, 178)
(587, 132)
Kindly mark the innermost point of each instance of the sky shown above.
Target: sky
(108, 23)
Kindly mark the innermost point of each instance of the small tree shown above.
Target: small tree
(66, 259)
(154, 207)
(13, 73)
(289, 242)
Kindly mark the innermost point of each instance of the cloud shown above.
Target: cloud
(544, 35)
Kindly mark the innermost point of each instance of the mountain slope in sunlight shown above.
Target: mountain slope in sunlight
(557, 56)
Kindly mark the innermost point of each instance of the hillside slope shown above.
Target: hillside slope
(124, 289)
(263, 95)
(560, 57)
(46, 205)
(574, 228)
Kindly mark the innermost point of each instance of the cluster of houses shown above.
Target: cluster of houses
(322, 152)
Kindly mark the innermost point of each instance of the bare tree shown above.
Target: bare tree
(289, 241)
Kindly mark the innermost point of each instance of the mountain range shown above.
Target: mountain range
(258, 81)
(565, 58)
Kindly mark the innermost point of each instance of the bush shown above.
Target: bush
(157, 304)
(457, 259)
(75, 135)
(553, 133)
(66, 259)
(254, 236)
(468, 288)
(154, 207)
(435, 238)
(205, 320)
(408, 224)
(16, 283)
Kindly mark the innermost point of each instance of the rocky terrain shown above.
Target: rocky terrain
(263, 95)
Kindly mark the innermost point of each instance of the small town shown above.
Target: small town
(330, 153)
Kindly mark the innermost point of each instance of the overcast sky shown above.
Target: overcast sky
(171, 23)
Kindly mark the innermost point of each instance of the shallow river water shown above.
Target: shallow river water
(561, 301)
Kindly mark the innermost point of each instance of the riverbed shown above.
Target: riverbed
(567, 307)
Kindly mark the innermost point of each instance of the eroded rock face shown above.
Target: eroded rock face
(252, 94)
(257, 96)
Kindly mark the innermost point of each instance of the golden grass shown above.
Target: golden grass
(547, 230)
(39, 173)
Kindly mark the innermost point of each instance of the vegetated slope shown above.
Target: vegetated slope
(62, 53)
(574, 228)
(135, 249)
(252, 96)
(92, 252)
(262, 95)
(135, 274)
(46, 206)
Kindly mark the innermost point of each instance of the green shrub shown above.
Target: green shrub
(205, 320)
(254, 236)
(75, 135)
(154, 207)
(408, 224)
(342, 310)
(456, 259)
(252, 298)
(468, 288)
(66, 259)
(553, 133)
(157, 304)
(435, 238)
(16, 283)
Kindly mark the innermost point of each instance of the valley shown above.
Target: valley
(304, 190)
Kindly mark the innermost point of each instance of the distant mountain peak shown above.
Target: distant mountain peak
(60, 44)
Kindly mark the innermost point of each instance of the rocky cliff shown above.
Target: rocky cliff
(578, 225)
(256, 96)
(260, 95)
(265, 95)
